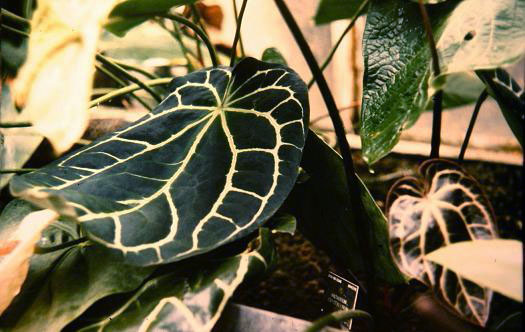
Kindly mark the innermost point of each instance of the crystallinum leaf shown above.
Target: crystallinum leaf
(444, 206)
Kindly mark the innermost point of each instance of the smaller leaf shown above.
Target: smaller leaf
(459, 89)
(496, 264)
(509, 96)
(332, 10)
(283, 223)
(272, 55)
(17, 249)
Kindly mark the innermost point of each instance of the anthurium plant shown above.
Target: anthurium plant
(154, 223)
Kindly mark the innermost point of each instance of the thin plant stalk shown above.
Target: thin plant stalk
(199, 32)
(237, 33)
(115, 68)
(15, 30)
(328, 59)
(482, 97)
(7, 125)
(128, 89)
(438, 96)
(176, 33)
(28, 9)
(17, 170)
(46, 250)
(122, 84)
(339, 317)
(15, 18)
(363, 227)
(241, 44)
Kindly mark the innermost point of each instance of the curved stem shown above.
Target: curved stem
(14, 30)
(46, 250)
(482, 97)
(438, 96)
(199, 32)
(127, 89)
(17, 170)
(237, 33)
(119, 70)
(241, 44)
(336, 46)
(353, 184)
(122, 84)
(15, 125)
(338, 317)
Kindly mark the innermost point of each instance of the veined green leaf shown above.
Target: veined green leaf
(272, 55)
(209, 165)
(445, 207)
(192, 300)
(321, 206)
(482, 35)
(496, 264)
(332, 10)
(130, 13)
(397, 58)
(509, 96)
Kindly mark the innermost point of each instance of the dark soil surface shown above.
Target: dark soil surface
(297, 285)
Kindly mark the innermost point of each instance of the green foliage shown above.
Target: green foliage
(332, 10)
(130, 13)
(443, 207)
(209, 165)
(397, 58)
(272, 55)
(509, 96)
(461, 89)
(321, 203)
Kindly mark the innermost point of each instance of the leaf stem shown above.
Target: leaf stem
(237, 33)
(339, 317)
(15, 18)
(482, 97)
(127, 89)
(356, 204)
(241, 44)
(46, 250)
(15, 125)
(199, 32)
(122, 84)
(336, 46)
(14, 30)
(438, 96)
(17, 170)
(119, 70)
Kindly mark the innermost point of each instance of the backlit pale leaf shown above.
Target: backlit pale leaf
(444, 207)
(209, 165)
(55, 82)
(193, 299)
(496, 264)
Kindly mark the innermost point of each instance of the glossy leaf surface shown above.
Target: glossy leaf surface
(332, 10)
(321, 205)
(509, 96)
(446, 206)
(495, 264)
(397, 58)
(189, 301)
(209, 165)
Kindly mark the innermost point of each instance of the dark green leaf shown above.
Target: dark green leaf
(509, 96)
(209, 165)
(321, 206)
(446, 206)
(283, 223)
(130, 13)
(331, 10)
(460, 89)
(397, 59)
(192, 300)
(272, 55)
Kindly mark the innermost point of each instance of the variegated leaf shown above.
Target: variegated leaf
(192, 300)
(445, 207)
(209, 165)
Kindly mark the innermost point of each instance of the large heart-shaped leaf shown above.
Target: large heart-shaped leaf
(209, 165)
(191, 300)
(509, 96)
(397, 57)
(446, 207)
